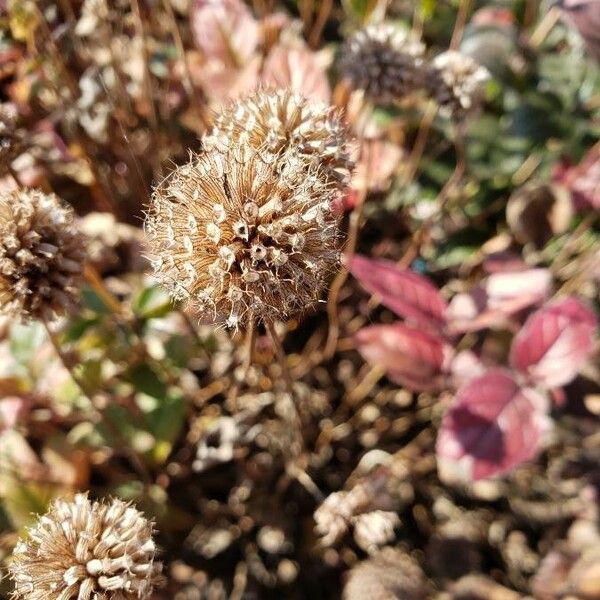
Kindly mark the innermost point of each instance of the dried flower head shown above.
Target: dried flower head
(246, 227)
(278, 121)
(86, 551)
(11, 140)
(383, 60)
(41, 254)
(388, 575)
(457, 82)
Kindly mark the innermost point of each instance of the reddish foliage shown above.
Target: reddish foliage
(410, 356)
(492, 426)
(555, 342)
(406, 293)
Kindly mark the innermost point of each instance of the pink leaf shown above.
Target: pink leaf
(225, 30)
(502, 294)
(555, 342)
(378, 161)
(493, 426)
(410, 356)
(583, 180)
(405, 292)
(300, 69)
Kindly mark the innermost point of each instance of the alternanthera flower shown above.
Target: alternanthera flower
(245, 230)
(83, 550)
(383, 60)
(457, 82)
(41, 255)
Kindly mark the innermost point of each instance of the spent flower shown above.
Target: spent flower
(457, 82)
(383, 60)
(86, 550)
(41, 255)
(245, 230)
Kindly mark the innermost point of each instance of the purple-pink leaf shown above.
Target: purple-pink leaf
(502, 294)
(300, 69)
(465, 365)
(411, 357)
(493, 426)
(405, 292)
(225, 30)
(555, 342)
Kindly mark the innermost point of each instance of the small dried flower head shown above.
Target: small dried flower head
(11, 140)
(246, 227)
(383, 60)
(86, 551)
(457, 82)
(388, 575)
(277, 121)
(41, 255)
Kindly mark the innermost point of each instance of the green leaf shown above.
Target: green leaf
(152, 302)
(147, 381)
(165, 422)
(93, 302)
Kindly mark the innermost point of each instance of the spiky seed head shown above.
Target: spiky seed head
(246, 227)
(86, 551)
(11, 140)
(274, 122)
(457, 82)
(41, 255)
(383, 60)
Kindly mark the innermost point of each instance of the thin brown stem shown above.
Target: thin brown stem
(459, 25)
(249, 346)
(325, 8)
(299, 414)
(187, 76)
(95, 281)
(333, 332)
(420, 141)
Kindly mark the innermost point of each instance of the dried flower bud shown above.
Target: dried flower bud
(88, 551)
(11, 141)
(383, 60)
(275, 122)
(41, 254)
(388, 575)
(457, 82)
(247, 228)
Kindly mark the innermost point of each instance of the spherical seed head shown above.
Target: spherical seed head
(383, 60)
(457, 82)
(41, 255)
(244, 238)
(11, 140)
(86, 551)
(275, 122)
(245, 230)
